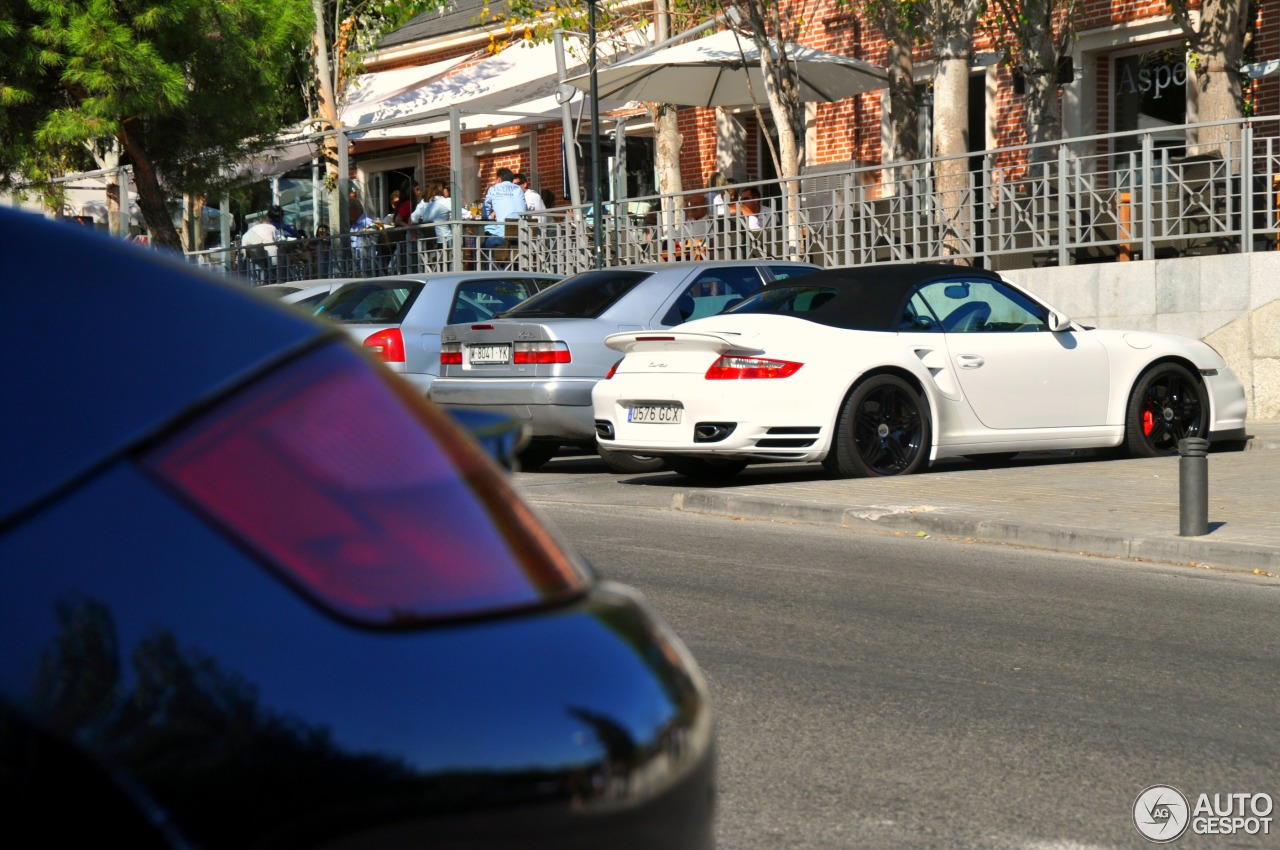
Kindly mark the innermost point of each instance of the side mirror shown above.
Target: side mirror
(1059, 321)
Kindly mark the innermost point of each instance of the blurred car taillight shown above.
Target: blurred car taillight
(366, 498)
(451, 354)
(387, 344)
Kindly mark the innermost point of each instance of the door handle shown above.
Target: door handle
(970, 361)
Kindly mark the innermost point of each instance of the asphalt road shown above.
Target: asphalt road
(875, 691)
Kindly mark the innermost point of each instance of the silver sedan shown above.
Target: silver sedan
(539, 360)
(399, 318)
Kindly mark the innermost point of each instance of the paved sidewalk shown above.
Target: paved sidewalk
(1114, 508)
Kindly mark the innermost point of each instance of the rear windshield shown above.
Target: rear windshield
(481, 300)
(583, 296)
(797, 298)
(384, 302)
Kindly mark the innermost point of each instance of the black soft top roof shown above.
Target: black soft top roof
(873, 298)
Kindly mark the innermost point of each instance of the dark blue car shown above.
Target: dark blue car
(256, 592)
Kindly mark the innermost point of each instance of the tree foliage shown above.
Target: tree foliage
(182, 89)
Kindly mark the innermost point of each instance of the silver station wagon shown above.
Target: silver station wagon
(539, 360)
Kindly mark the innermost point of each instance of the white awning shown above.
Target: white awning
(289, 153)
(382, 94)
(517, 75)
(515, 86)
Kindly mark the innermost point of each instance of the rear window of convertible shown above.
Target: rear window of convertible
(583, 296)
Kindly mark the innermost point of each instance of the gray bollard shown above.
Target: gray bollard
(1193, 487)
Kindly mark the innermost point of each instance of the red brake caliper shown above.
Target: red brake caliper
(1148, 422)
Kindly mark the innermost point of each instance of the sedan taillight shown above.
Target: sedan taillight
(451, 354)
(735, 368)
(387, 344)
(540, 352)
(366, 498)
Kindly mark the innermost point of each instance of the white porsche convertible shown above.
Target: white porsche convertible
(879, 370)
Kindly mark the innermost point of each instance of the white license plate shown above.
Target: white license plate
(489, 353)
(655, 414)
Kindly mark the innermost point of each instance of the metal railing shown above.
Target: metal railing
(1115, 197)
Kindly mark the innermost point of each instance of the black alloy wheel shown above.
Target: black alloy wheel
(883, 429)
(1167, 405)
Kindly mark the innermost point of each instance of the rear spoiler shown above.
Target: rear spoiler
(673, 340)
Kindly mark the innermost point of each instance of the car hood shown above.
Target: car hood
(136, 337)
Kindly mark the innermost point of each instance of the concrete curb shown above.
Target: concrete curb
(1199, 551)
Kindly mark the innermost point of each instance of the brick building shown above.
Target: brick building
(1129, 71)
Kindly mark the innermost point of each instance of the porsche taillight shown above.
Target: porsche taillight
(366, 498)
(737, 368)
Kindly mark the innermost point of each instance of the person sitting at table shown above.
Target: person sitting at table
(748, 206)
(718, 194)
(503, 201)
(693, 237)
(261, 242)
(532, 199)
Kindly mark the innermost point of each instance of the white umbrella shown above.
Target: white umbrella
(724, 70)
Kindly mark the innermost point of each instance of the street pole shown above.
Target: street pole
(597, 215)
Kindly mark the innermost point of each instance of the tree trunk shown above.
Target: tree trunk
(1219, 43)
(904, 141)
(666, 130)
(953, 24)
(670, 182)
(783, 92)
(193, 222)
(151, 200)
(329, 119)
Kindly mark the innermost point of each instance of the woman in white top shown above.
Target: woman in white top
(435, 207)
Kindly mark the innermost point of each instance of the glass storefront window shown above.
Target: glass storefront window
(1149, 92)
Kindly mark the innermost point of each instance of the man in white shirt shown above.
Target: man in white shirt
(266, 232)
(532, 199)
(259, 244)
(503, 201)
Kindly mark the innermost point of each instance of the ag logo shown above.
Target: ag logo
(1161, 814)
